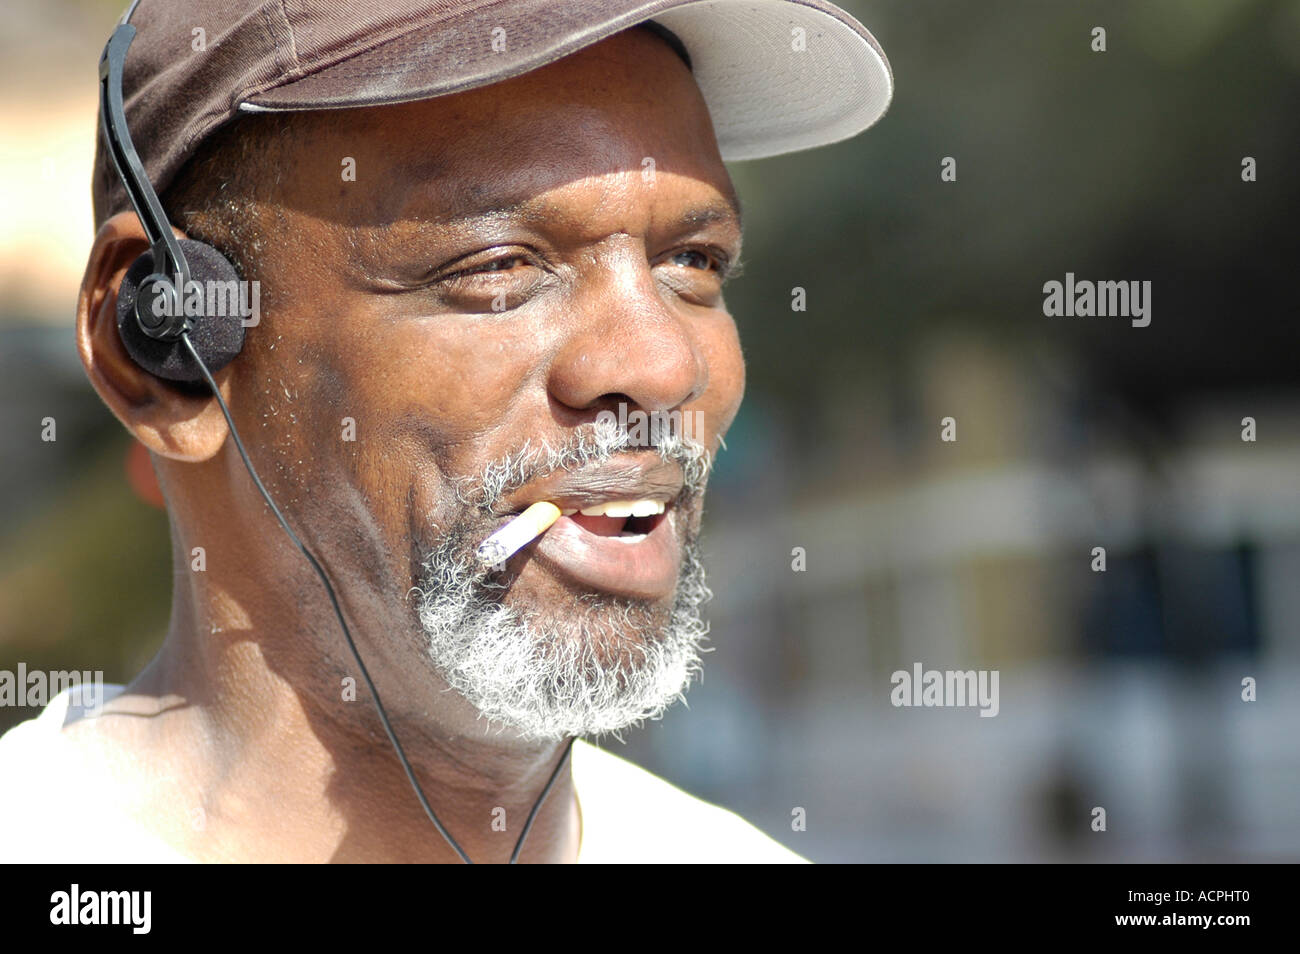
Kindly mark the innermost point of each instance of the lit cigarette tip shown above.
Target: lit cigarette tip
(517, 534)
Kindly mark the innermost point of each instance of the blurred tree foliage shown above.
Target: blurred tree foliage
(1117, 165)
(86, 582)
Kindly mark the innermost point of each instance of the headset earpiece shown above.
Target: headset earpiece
(151, 316)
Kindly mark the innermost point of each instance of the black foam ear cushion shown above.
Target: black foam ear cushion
(218, 338)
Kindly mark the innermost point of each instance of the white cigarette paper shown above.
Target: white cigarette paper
(517, 534)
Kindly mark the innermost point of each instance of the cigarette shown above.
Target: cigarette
(517, 534)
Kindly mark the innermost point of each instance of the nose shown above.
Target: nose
(629, 345)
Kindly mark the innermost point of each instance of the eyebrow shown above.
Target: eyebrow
(729, 212)
(733, 202)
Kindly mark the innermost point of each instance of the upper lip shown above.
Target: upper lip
(622, 478)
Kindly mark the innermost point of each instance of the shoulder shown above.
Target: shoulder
(31, 750)
(55, 801)
(631, 815)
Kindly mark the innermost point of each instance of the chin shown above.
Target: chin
(564, 663)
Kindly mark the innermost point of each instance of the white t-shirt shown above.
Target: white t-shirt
(53, 808)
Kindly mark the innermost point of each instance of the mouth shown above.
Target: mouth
(625, 520)
(617, 532)
(630, 555)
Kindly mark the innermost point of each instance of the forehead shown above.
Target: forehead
(621, 112)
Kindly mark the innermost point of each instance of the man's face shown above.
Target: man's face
(439, 336)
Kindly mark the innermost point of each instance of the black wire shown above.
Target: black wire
(347, 634)
(528, 825)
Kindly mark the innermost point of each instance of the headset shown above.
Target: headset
(170, 344)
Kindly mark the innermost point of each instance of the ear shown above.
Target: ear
(166, 420)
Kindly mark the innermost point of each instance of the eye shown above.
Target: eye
(495, 284)
(503, 263)
(701, 259)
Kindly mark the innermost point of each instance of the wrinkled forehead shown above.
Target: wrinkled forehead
(619, 115)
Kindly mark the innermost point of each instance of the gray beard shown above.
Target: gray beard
(599, 666)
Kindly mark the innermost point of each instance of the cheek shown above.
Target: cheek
(720, 346)
(468, 378)
(433, 399)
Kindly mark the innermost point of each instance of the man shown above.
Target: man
(511, 225)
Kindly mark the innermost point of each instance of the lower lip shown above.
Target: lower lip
(643, 568)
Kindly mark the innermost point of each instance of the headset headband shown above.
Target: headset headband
(112, 117)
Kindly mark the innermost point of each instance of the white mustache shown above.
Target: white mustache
(594, 443)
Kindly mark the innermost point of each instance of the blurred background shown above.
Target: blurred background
(1120, 689)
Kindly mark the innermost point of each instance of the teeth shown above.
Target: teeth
(625, 508)
(611, 508)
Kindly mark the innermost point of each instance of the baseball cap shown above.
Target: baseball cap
(777, 76)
